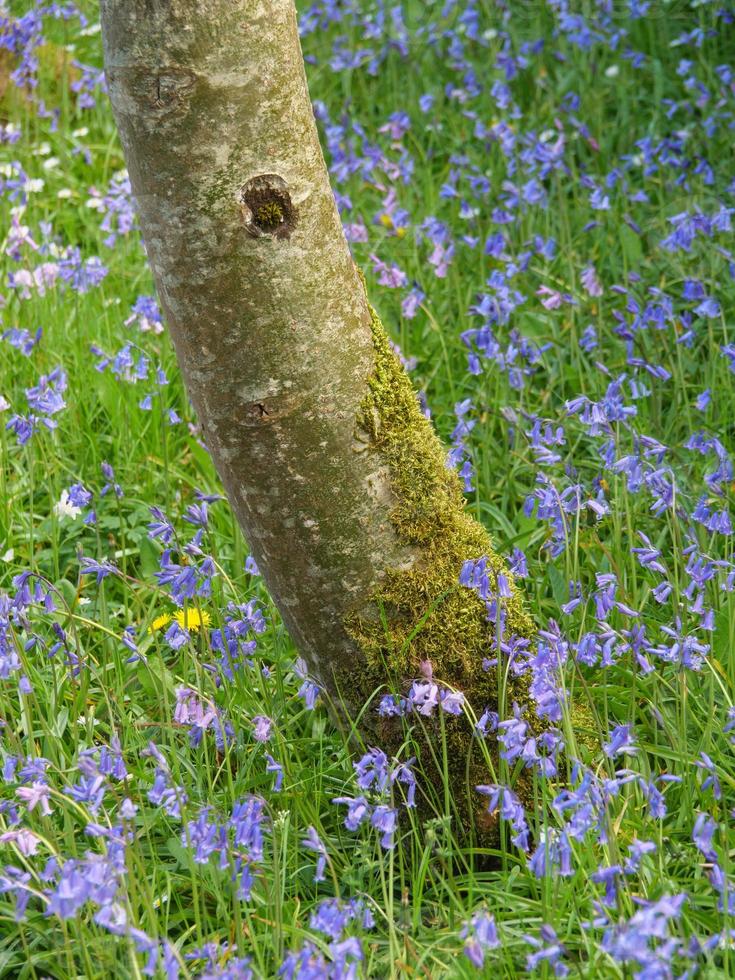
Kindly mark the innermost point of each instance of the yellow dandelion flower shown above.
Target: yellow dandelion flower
(192, 619)
(159, 623)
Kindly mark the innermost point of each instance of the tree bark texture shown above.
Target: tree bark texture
(337, 479)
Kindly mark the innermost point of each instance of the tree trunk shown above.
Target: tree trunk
(337, 479)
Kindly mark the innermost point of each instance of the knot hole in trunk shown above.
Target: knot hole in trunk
(267, 208)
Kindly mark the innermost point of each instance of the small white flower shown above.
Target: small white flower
(9, 555)
(612, 72)
(51, 164)
(4, 404)
(65, 509)
(80, 133)
(65, 193)
(34, 186)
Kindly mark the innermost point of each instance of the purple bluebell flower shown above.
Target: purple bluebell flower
(452, 702)
(548, 950)
(423, 697)
(502, 799)
(277, 770)
(385, 819)
(622, 742)
(590, 281)
(109, 475)
(372, 770)
(160, 526)
(711, 780)
(314, 843)
(358, 809)
(262, 726)
(480, 935)
(309, 690)
(101, 568)
(637, 851)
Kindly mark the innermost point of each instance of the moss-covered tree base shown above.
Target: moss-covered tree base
(420, 613)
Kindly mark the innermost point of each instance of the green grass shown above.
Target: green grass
(87, 693)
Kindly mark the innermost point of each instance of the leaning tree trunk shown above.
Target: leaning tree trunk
(337, 479)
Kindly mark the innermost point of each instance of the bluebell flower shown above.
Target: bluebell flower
(480, 935)
(622, 742)
(109, 475)
(609, 876)
(548, 950)
(160, 526)
(36, 794)
(101, 568)
(711, 780)
(89, 790)
(262, 726)
(648, 556)
(591, 282)
(385, 819)
(176, 636)
(637, 851)
(277, 770)
(372, 770)
(451, 701)
(703, 834)
(553, 855)
(403, 773)
(22, 340)
(314, 843)
(703, 400)
(358, 810)
(504, 800)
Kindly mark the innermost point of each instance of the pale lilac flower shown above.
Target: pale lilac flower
(37, 794)
(262, 728)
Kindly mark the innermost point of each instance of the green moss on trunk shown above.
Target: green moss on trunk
(420, 612)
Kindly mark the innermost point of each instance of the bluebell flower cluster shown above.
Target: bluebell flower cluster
(378, 805)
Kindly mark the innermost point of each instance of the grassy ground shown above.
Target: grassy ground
(540, 195)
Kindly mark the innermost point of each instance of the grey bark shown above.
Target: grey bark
(266, 310)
